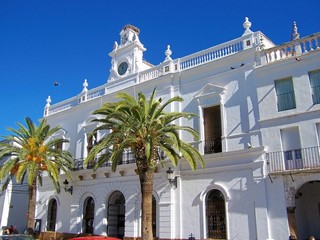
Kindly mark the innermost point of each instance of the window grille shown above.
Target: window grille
(216, 215)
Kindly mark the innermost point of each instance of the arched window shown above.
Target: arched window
(216, 215)
(116, 215)
(88, 215)
(52, 215)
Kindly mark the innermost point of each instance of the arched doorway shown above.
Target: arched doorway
(116, 215)
(307, 211)
(88, 215)
(216, 215)
(52, 215)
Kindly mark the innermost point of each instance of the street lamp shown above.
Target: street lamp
(171, 178)
(66, 189)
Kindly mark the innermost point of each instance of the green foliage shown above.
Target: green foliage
(144, 127)
(30, 151)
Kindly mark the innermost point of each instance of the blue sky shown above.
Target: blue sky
(42, 41)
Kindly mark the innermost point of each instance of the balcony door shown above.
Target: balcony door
(291, 146)
(212, 129)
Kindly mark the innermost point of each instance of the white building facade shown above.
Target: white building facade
(259, 122)
(13, 204)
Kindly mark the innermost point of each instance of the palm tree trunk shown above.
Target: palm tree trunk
(31, 206)
(146, 183)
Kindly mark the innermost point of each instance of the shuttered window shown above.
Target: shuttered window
(285, 94)
(315, 86)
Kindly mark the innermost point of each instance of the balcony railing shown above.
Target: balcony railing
(212, 146)
(296, 159)
(127, 158)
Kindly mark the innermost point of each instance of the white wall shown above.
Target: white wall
(255, 204)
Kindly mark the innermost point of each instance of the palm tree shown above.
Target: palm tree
(145, 128)
(30, 151)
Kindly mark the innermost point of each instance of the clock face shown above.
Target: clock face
(122, 68)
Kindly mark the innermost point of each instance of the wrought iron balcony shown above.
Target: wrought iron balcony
(127, 158)
(212, 146)
(292, 160)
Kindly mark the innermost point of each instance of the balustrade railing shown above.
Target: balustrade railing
(196, 59)
(211, 54)
(63, 106)
(150, 74)
(95, 94)
(297, 159)
(293, 49)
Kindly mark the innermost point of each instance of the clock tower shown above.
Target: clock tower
(127, 56)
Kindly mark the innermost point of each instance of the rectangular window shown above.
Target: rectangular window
(315, 86)
(285, 94)
(212, 130)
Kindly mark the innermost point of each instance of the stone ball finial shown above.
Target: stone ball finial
(85, 85)
(168, 53)
(247, 23)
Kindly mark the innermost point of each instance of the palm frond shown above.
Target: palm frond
(143, 126)
(31, 150)
(6, 182)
